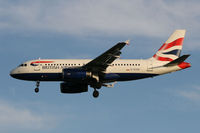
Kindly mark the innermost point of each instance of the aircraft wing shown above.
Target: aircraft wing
(100, 63)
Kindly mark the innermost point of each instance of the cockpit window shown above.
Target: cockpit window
(32, 64)
(22, 65)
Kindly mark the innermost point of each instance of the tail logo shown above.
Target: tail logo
(171, 49)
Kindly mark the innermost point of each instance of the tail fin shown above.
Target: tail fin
(171, 49)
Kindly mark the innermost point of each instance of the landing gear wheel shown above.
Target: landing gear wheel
(37, 86)
(36, 90)
(95, 94)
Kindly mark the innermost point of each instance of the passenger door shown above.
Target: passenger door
(37, 67)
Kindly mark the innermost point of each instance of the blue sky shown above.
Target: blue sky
(85, 29)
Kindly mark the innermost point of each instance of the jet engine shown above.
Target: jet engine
(73, 87)
(75, 74)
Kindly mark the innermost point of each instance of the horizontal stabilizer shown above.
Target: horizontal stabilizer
(177, 61)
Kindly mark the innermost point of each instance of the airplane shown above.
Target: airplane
(105, 70)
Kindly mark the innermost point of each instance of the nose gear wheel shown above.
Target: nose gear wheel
(37, 86)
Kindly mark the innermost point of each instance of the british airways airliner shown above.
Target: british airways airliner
(77, 74)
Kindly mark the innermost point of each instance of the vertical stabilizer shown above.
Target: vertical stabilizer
(171, 49)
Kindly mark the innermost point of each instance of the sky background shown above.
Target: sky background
(84, 29)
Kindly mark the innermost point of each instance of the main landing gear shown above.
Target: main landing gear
(95, 93)
(37, 86)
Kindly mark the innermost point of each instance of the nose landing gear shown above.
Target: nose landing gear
(37, 86)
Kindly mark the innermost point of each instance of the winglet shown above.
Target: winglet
(127, 42)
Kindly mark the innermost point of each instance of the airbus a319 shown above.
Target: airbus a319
(76, 75)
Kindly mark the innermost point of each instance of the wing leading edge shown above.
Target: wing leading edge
(100, 63)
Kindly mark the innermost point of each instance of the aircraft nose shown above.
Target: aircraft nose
(13, 73)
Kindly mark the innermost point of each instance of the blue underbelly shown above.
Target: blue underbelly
(59, 77)
(39, 76)
(134, 76)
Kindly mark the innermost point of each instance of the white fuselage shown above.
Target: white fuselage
(128, 68)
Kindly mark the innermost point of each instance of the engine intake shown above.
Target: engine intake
(73, 88)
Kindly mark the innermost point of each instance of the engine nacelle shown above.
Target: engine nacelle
(73, 88)
(75, 74)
